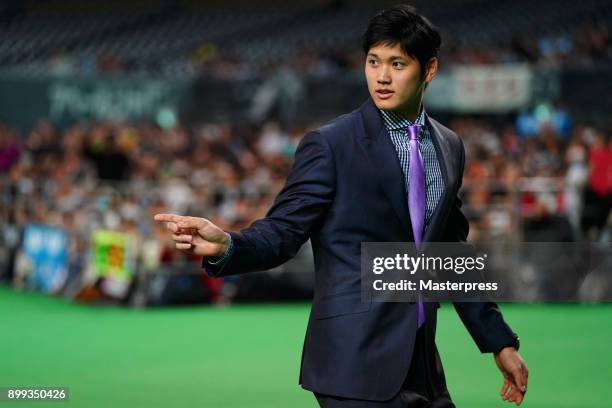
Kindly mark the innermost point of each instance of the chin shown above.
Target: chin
(386, 105)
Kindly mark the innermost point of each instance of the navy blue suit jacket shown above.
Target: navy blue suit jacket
(346, 186)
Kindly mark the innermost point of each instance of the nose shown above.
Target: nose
(383, 76)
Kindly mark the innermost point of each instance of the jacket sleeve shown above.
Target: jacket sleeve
(297, 209)
(483, 320)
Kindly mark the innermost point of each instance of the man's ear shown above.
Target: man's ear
(432, 70)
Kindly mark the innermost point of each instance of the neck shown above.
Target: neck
(411, 112)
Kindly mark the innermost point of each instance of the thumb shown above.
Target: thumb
(208, 231)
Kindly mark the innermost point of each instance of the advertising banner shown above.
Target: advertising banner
(114, 255)
(45, 250)
(481, 88)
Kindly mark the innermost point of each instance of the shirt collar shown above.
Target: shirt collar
(393, 121)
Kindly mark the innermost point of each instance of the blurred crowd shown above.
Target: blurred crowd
(545, 186)
(116, 175)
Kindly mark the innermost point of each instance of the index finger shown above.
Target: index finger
(168, 217)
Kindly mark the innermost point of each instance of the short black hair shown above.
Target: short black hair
(417, 36)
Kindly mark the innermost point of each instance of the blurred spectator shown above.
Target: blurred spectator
(598, 197)
(575, 181)
(107, 154)
(10, 149)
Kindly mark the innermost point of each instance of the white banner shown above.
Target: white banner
(481, 88)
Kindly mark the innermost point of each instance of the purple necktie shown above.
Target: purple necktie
(416, 199)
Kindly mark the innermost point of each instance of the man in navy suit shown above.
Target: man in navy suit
(356, 180)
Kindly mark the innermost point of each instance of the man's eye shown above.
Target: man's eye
(372, 62)
(398, 64)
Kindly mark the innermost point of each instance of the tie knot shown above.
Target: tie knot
(413, 131)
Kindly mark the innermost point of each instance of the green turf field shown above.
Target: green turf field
(248, 356)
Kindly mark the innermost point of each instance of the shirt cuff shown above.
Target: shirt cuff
(222, 260)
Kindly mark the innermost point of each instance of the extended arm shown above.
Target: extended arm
(297, 209)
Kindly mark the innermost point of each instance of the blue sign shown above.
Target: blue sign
(46, 249)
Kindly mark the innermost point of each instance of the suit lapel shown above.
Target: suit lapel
(444, 154)
(379, 147)
(385, 162)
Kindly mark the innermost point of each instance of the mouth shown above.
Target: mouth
(384, 93)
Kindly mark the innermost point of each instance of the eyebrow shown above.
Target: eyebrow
(371, 54)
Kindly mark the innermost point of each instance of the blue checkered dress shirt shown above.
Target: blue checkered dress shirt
(434, 182)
